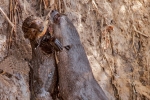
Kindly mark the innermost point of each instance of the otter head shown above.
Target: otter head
(32, 26)
(55, 15)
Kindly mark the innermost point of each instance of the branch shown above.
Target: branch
(140, 32)
(12, 25)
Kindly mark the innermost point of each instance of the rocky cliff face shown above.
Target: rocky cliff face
(114, 33)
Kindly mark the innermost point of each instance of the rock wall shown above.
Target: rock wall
(115, 35)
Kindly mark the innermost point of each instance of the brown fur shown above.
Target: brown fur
(34, 28)
(43, 75)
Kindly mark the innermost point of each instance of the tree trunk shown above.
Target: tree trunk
(115, 36)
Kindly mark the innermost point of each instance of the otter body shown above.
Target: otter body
(76, 81)
(43, 74)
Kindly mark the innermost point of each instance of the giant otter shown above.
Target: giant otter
(76, 81)
(43, 75)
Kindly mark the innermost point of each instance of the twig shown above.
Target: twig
(59, 6)
(12, 25)
(112, 72)
(133, 39)
(147, 60)
(3, 80)
(65, 5)
(140, 32)
(95, 6)
(24, 6)
(41, 7)
(93, 2)
(45, 6)
(133, 43)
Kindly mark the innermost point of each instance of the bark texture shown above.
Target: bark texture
(115, 35)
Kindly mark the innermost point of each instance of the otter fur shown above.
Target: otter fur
(43, 75)
(76, 80)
